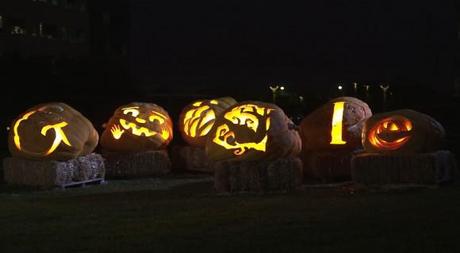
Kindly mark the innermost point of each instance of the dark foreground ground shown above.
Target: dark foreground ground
(184, 214)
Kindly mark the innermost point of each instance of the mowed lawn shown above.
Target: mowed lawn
(141, 216)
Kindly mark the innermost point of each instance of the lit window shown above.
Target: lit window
(16, 26)
(17, 30)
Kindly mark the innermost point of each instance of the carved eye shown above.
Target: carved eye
(133, 111)
(157, 117)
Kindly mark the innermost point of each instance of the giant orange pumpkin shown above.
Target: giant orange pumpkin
(403, 131)
(52, 131)
(252, 131)
(335, 125)
(197, 119)
(138, 127)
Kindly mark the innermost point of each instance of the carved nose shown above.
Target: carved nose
(140, 120)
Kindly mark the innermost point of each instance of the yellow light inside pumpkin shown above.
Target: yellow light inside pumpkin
(138, 131)
(389, 125)
(133, 110)
(239, 148)
(194, 121)
(59, 133)
(244, 115)
(16, 137)
(158, 117)
(165, 134)
(116, 132)
(337, 118)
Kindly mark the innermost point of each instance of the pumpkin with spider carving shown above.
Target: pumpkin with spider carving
(253, 130)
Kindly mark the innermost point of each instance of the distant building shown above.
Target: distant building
(44, 28)
(110, 26)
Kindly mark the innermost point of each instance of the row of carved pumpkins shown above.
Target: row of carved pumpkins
(248, 130)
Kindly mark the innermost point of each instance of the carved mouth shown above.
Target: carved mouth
(135, 129)
(394, 137)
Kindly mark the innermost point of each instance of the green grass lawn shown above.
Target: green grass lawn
(187, 216)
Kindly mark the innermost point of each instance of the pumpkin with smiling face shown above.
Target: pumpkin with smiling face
(197, 119)
(137, 127)
(250, 131)
(52, 131)
(403, 131)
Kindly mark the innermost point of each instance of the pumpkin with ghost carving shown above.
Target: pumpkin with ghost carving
(52, 131)
(402, 131)
(335, 125)
(197, 119)
(137, 127)
(252, 130)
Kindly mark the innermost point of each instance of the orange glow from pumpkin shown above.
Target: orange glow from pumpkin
(16, 138)
(117, 132)
(390, 133)
(337, 118)
(199, 121)
(244, 115)
(137, 130)
(59, 134)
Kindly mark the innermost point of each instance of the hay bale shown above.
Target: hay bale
(284, 174)
(424, 169)
(52, 173)
(137, 165)
(195, 159)
(327, 166)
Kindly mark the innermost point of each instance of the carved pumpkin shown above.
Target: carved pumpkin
(197, 119)
(403, 131)
(252, 131)
(335, 125)
(138, 127)
(52, 131)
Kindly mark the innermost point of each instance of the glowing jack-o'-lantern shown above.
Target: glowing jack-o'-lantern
(138, 127)
(403, 131)
(53, 131)
(197, 119)
(252, 131)
(335, 125)
(390, 133)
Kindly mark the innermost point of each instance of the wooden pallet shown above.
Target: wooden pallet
(83, 183)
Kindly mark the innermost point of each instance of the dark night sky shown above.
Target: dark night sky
(398, 41)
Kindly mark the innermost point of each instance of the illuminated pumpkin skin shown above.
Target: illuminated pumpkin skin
(403, 131)
(316, 128)
(196, 119)
(51, 131)
(248, 131)
(137, 127)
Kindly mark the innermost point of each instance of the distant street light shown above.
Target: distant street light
(340, 87)
(274, 89)
(384, 88)
(282, 88)
(355, 87)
